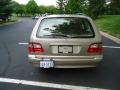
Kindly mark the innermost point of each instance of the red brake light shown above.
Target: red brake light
(95, 48)
(35, 47)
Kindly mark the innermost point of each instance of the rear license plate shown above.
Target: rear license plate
(65, 49)
(46, 64)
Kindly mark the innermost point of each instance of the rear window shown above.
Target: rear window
(65, 28)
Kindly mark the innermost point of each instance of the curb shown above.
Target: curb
(10, 23)
(117, 40)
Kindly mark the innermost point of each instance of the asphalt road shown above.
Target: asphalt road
(14, 64)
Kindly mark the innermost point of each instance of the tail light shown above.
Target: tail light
(35, 48)
(95, 48)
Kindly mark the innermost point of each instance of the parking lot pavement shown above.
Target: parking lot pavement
(14, 64)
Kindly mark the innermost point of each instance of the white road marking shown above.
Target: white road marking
(110, 47)
(20, 43)
(49, 85)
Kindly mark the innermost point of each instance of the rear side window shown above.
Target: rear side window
(65, 27)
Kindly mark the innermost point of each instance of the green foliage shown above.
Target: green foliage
(52, 10)
(19, 9)
(110, 24)
(61, 5)
(114, 7)
(6, 7)
(42, 9)
(92, 7)
(76, 6)
(96, 8)
(32, 7)
(48, 9)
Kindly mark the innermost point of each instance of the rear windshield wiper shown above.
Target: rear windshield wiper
(55, 35)
(80, 36)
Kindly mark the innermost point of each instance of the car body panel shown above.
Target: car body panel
(78, 57)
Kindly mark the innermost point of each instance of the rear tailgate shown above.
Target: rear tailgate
(65, 47)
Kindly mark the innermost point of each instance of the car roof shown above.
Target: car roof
(66, 15)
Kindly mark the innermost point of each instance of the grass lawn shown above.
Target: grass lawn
(109, 24)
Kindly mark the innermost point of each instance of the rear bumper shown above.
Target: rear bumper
(68, 61)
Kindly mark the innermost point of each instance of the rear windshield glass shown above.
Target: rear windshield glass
(65, 27)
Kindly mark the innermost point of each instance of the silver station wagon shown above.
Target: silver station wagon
(65, 41)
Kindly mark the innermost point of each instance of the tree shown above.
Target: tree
(96, 8)
(75, 6)
(6, 7)
(19, 9)
(51, 10)
(48, 9)
(61, 5)
(42, 9)
(32, 7)
(115, 6)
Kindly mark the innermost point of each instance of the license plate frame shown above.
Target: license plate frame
(65, 49)
(46, 64)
